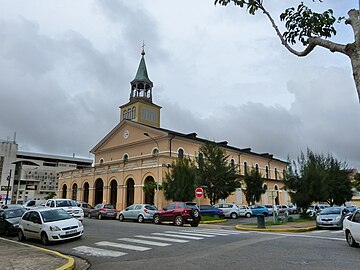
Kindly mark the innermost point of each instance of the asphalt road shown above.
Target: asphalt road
(207, 246)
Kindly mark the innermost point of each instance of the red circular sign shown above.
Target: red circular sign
(199, 192)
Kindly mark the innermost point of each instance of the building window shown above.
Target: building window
(126, 158)
(245, 168)
(232, 163)
(276, 174)
(267, 171)
(133, 112)
(101, 161)
(181, 153)
(155, 152)
(257, 168)
(265, 187)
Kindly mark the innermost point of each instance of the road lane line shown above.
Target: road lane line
(179, 236)
(124, 246)
(98, 252)
(162, 238)
(140, 241)
(304, 236)
(191, 233)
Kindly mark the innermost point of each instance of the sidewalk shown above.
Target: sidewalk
(20, 256)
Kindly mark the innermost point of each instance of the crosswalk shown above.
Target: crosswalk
(142, 243)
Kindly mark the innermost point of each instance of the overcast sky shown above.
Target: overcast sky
(66, 67)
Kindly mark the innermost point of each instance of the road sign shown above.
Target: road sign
(199, 192)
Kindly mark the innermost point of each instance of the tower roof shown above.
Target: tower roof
(141, 74)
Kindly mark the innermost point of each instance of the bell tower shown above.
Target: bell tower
(140, 107)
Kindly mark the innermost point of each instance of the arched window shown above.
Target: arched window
(86, 192)
(155, 152)
(126, 158)
(101, 161)
(245, 167)
(181, 153)
(276, 174)
(232, 163)
(267, 171)
(276, 187)
(64, 191)
(257, 168)
(128, 114)
(133, 112)
(124, 115)
(74, 192)
(265, 186)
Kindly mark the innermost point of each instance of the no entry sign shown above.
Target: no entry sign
(199, 192)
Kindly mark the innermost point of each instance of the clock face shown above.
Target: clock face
(126, 134)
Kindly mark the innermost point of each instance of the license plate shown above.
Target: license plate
(71, 232)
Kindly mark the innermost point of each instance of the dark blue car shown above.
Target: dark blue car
(209, 210)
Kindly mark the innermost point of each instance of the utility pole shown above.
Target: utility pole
(8, 187)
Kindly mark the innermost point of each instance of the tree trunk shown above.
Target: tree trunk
(355, 64)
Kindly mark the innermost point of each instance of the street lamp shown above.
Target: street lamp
(157, 164)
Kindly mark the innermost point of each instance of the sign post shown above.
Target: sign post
(199, 193)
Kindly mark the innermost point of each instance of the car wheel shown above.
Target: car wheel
(44, 238)
(233, 215)
(99, 216)
(21, 236)
(194, 224)
(121, 217)
(179, 221)
(140, 219)
(195, 213)
(350, 239)
(157, 219)
(265, 214)
(248, 215)
(89, 215)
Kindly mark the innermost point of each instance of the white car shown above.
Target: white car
(245, 211)
(49, 225)
(230, 210)
(68, 205)
(351, 227)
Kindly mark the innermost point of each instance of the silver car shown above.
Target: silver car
(230, 210)
(245, 211)
(331, 217)
(139, 212)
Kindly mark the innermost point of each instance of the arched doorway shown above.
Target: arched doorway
(74, 192)
(277, 200)
(149, 194)
(86, 192)
(113, 193)
(99, 188)
(130, 192)
(64, 191)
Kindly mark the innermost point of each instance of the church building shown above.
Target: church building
(138, 150)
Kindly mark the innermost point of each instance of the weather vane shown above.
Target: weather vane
(143, 48)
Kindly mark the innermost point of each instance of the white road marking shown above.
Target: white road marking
(191, 233)
(209, 232)
(139, 241)
(124, 246)
(98, 252)
(303, 236)
(222, 231)
(162, 238)
(179, 236)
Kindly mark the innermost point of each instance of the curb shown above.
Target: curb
(240, 228)
(68, 266)
(213, 221)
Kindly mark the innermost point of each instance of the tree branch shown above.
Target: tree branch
(313, 42)
(353, 20)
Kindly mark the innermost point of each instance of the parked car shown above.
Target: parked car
(331, 217)
(292, 209)
(102, 211)
(351, 226)
(49, 225)
(230, 210)
(9, 220)
(179, 213)
(139, 212)
(351, 208)
(272, 209)
(68, 205)
(244, 211)
(315, 208)
(34, 203)
(210, 210)
(85, 207)
(11, 206)
(258, 209)
(283, 208)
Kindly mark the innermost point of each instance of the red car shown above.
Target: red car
(179, 213)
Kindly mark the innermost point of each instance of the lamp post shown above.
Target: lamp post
(157, 164)
(8, 187)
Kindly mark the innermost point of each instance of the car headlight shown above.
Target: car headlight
(54, 228)
(318, 218)
(338, 218)
(80, 224)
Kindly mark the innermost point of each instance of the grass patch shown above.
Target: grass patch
(272, 223)
(209, 218)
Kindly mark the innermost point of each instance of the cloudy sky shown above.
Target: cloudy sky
(66, 66)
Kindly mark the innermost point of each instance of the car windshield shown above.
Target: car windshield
(150, 207)
(191, 205)
(331, 211)
(65, 203)
(55, 215)
(108, 206)
(14, 213)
